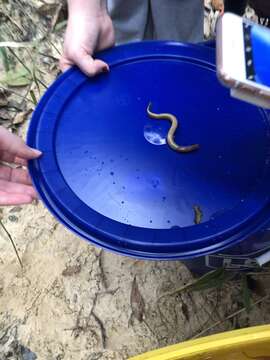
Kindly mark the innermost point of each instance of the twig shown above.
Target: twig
(12, 242)
(52, 44)
(102, 274)
(102, 329)
(31, 72)
(14, 44)
(12, 20)
(3, 55)
(15, 93)
(48, 56)
(100, 323)
(229, 317)
(20, 61)
(41, 82)
(56, 16)
(33, 96)
(179, 290)
(25, 95)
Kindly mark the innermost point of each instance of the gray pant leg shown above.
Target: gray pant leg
(130, 18)
(180, 20)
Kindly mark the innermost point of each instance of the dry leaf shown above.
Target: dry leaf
(137, 302)
(4, 115)
(16, 77)
(71, 270)
(3, 100)
(15, 209)
(21, 117)
(185, 310)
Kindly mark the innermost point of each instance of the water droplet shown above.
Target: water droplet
(155, 183)
(122, 202)
(102, 163)
(168, 221)
(113, 182)
(123, 187)
(153, 135)
(163, 198)
(111, 160)
(86, 152)
(137, 177)
(175, 227)
(151, 221)
(126, 159)
(111, 173)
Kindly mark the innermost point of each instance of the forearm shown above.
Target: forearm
(89, 29)
(87, 7)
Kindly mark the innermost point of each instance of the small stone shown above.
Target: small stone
(13, 218)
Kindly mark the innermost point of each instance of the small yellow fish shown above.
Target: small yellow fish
(198, 214)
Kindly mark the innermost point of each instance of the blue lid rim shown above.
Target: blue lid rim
(119, 243)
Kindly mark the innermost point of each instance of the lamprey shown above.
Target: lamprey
(170, 136)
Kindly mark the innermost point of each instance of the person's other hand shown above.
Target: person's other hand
(15, 183)
(87, 32)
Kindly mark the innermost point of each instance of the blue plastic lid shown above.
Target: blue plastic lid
(108, 174)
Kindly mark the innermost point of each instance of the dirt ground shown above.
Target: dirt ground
(74, 301)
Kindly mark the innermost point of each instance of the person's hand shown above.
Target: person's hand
(218, 5)
(87, 31)
(15, 183)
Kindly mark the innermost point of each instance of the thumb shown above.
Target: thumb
(90, 66)
(14, 145)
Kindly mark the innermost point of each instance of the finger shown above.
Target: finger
(14, 145)
(90, 66)
(20, 176)
(65, 64)
(10, 158)
(64, 67)
(14, 188)
(14, 199)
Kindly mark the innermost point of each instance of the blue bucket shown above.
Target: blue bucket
(108, 174)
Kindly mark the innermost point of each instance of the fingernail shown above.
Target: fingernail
(37, 152)
(105, 69)
(35, 202)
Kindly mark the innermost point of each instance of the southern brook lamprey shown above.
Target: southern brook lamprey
(170, 136)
